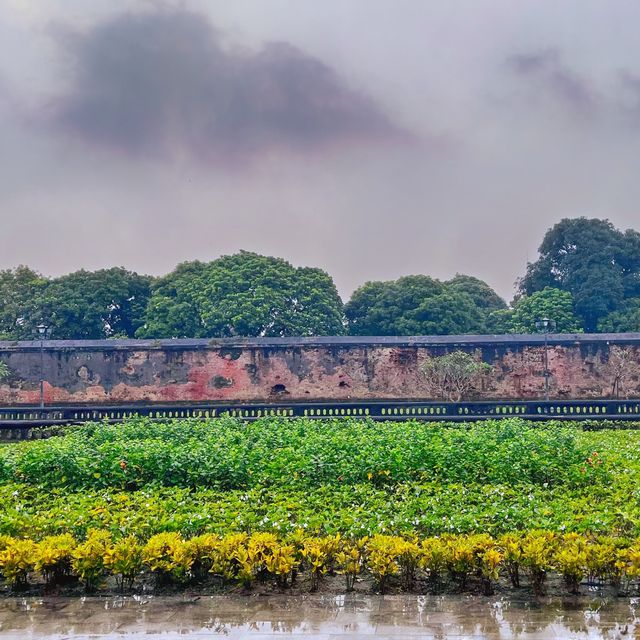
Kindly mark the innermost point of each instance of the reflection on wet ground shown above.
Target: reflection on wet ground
(442, 617)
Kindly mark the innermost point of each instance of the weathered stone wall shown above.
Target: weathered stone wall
(170, 371)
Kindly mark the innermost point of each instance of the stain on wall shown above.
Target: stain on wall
(170, 371)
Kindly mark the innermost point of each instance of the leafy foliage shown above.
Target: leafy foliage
(625, 319)
(420, 305)
(17, 559)
(229, 454)
(90, 558)
(454, 375)
(241, 558)
(123, 559)
(81, 305)
(20, 292)
(483, 296)
(245, 294)
(54, 556)
(547, 303)
(592, 260)
(398, 501)
(93, 305)
(173, 311)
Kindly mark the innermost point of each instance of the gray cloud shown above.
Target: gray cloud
(548, 72)
(155, 82)
(552, 133)
(629, 85)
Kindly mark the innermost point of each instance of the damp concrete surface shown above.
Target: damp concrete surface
(320, 616)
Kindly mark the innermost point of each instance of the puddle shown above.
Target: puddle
(316, 616)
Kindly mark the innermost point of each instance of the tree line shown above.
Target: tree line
(586, 278)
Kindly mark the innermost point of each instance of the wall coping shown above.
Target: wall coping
(568, 339)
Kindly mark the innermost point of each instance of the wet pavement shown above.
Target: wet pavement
(319, 617)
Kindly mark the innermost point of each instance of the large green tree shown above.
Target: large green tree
(589, 258)
(244, 294)
(499, 321)
(173, 310)
(384, 308)
(95, 304)
(483, 296)
(626, 318)
(550, 303)
(20, 292)
(420, 305)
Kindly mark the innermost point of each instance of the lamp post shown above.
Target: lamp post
(546, 325)
(43, 331)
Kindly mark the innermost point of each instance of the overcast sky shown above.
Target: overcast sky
(372, 138)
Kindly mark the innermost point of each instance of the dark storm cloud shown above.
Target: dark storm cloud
(548, 71)
(151, 82)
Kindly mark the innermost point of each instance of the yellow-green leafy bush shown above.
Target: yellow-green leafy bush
(17, 559)
(88, 561)
(54, 555)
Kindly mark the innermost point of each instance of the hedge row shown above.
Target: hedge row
(243, 558)
(228, 454)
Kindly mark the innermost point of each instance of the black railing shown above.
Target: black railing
(377, 410)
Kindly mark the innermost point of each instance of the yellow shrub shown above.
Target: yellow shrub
(490, 563)
(459, 557)
(602, 560)
(124, 560)
(409, 559)
(245, 557)
(260, 546)
(17, 559)
(433, 557)
(511, 545)
(538, 549)
(570, 560)
(203, 547)
(88, 558)
(280, 562)
(168, 555)
(632, 564)
(350, 560)
(296, 538)
(318, 554)
(4, 541)
(250, 558)
(222, 554)
(54, 555)
(382, 557)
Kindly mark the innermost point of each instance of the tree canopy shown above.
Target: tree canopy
(591, 259)
(81, 305)
(20, 293)
(420, 305)
(479, 291)
(550, 303)
(173, 310)
(96, 304)
(586, 278)
(245, 294)
(625, 318)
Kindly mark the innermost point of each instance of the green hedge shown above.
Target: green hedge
(227, 454)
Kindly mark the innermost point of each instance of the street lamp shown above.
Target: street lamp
(43, 332)
(546, 325)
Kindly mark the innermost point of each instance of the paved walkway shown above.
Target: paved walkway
(318, 617)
